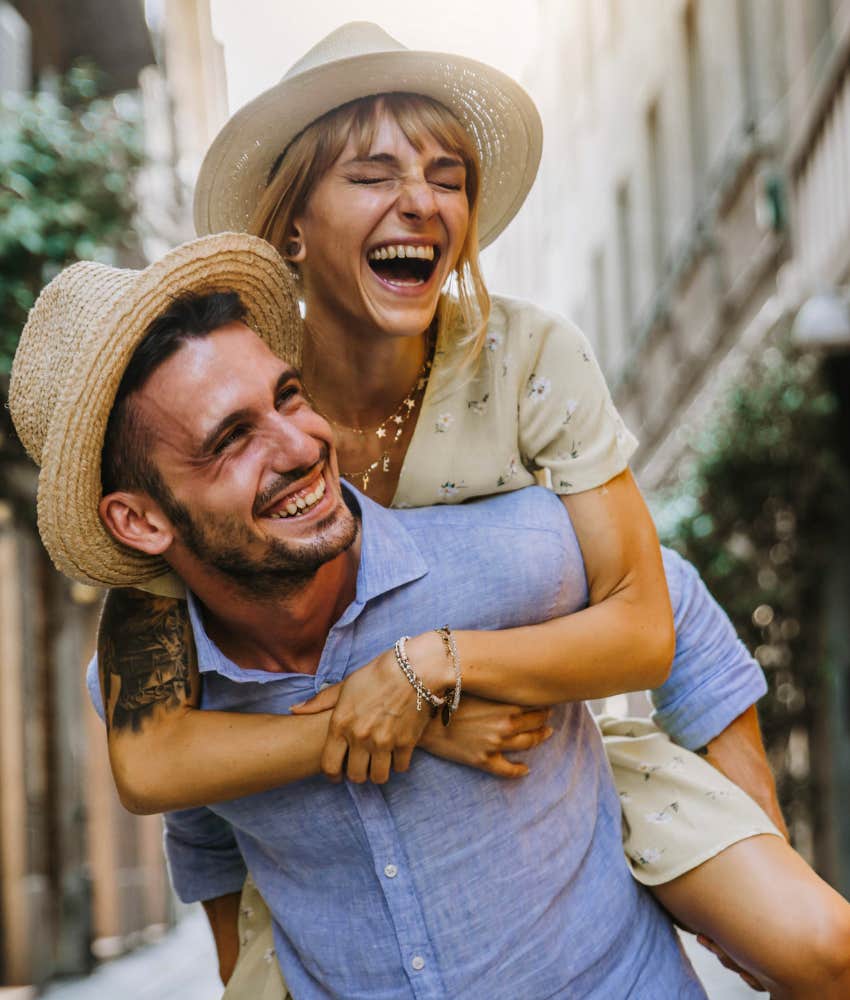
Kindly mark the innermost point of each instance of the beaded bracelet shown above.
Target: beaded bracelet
(422, 693)
(451, 703)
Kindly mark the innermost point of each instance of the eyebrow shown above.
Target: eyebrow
(239, 416)
(387, 159)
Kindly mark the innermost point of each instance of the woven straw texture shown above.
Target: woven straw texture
(74, 349)
(360, 60)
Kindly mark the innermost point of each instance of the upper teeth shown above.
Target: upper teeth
(301, 501)
(401, 250)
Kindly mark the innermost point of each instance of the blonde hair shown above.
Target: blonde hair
(463, 314)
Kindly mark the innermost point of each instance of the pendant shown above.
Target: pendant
(366, 480)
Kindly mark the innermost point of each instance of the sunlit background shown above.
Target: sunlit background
(263, 38)
(692, 214)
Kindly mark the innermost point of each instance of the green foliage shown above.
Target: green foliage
(67, 159)
(755, 510)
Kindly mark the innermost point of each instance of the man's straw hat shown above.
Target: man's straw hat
(360, 60)
(75, 347)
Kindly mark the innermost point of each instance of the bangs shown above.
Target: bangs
(419, 118)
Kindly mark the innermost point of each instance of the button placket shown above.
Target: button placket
(399, 892)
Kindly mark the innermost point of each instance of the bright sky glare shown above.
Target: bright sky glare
(262, 38)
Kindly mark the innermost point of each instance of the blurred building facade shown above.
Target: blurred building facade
(695, 189)
(80, 877)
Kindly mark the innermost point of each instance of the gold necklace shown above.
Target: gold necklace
(393, 424)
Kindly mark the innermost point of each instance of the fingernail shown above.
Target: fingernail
(298, 704)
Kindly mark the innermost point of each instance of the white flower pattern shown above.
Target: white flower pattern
(444, 422)
(511, 471)
(539, 387)
(648, 856)
(572, 406)
(479, 406)
(663, 815)
(448, 490)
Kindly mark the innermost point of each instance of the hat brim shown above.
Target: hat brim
(70, 480)
(495, 110)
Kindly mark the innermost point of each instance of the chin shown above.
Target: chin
(406, 322)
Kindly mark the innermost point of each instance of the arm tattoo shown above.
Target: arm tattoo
(146, 656)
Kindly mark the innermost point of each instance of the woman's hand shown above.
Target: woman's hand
(482, 732)
(375, 726)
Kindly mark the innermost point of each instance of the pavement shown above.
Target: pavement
(182, 966)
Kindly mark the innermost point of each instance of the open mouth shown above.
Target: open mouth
(404, 264)
(300, 502)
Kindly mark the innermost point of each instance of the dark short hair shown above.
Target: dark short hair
(125, 459)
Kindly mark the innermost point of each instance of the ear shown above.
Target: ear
(294, 249)
(136, 521)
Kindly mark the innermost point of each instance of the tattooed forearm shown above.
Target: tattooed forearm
(146, 656)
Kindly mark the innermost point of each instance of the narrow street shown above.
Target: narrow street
(182, 967)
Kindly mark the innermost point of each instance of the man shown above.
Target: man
(443, 882)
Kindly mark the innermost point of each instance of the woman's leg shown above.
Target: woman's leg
(765, 907)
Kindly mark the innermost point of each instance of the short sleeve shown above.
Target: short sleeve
(203, 857)
(714, 679)
(568, 424)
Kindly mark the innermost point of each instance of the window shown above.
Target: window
(744, 18)
(600, 318)
(820, 35)
(624, 249)
(657, 203)
(695, 109)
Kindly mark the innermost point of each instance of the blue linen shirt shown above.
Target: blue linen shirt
(447, 882)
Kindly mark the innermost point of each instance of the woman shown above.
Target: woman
(377, 202)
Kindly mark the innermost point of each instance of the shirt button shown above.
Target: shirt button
(390, 871)
(418, 963)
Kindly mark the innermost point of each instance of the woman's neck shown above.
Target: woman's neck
(357, 379)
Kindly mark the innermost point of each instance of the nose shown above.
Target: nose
(417, 201)
(289, 446)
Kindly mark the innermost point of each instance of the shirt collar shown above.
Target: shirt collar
(389, 558)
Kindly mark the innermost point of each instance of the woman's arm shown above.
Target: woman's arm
(167, 754)
(623, 641)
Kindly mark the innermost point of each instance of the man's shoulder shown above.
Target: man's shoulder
(533, 509)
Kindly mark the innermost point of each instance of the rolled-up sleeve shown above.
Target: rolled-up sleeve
(713, 678)
(203, 857)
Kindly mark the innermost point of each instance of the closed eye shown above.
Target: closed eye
(234, 435)
(288, 393)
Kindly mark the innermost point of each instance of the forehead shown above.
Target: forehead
(405, 125)
(207, 378)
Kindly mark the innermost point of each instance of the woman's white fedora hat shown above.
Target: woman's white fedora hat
(359, 60)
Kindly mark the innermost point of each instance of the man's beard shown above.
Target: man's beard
(226, 544)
